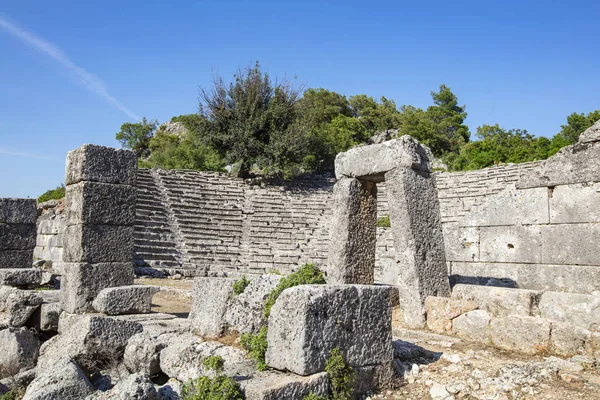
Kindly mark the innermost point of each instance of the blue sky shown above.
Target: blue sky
(73, 72)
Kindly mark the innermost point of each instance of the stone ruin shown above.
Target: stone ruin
(504, 257)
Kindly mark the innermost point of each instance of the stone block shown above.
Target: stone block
(529, 335)
(16, 306)
(46, 317)
(275, 385)
(574, 309)
(182, 359)
(575, 203)
(81, 283)
(499, 301)
(567, 340)
(17, 236)
(101, 164)
(48, 241)
(575, 278)
(511, 207)
(18, 211)
(210, 300)
(578, 163)
(473, 326)
(98, 243)
(511, 244)
(442, 310)
(100, 203)
(420, 261)
(591, 134)
(353, 233)
(372, 162)
(571, 244)
(92, 341)
(136, 299)
(142, 353)
(16, 258)
(134, 386)
(65, 382)
(21, 277)
(19, 348)
(51, 226)
(462, 244)
(309, 321)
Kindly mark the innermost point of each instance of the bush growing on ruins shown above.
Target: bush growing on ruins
(10, 395)
(53, 194)
(240, 285)
(309, 274)
(256, 346)
(384, 222)
(341, 376)
(312, 396)
(136, 136)
(218, 388)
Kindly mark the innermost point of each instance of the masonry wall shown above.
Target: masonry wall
(50, 230)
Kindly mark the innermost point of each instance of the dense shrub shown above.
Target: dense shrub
(219, 387)
(256, 346)
(240, 285)
(341, 376)
(53, 194)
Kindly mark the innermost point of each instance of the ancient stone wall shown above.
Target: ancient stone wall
(50, 232)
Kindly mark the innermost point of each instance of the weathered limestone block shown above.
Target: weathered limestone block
(418, 242)
(18, 211)
(21, 277)
(19, 348)
(16, 258)
(51, 226)
(132, 387)
(16, 306)
(511, 244)
(442, 310)
(462, 244)
(101, 164)
(142, 353)
(274, 385)
(577, 203)
(309, 321)
(372, 378)
(511, 207)
(135, 299)
(499, 301)
(182, 358)
(17, 236)
(66, 381)
(46, 317)
(529, 335)
(574, 309)
(353, 233)
(210, 299)
(81, 283)
(92, 341)
(591, 134)
(98, 243)
(371, 162)
(244, 313)
(578, 163)
(567, 340)
(473, 326)
(571, 244)
(100, 203)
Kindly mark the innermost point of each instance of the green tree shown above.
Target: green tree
(375, 116)
(53, 194)
(577, 123)
(136, 136)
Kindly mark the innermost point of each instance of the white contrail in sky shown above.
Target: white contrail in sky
(27, 155)
(87, 79)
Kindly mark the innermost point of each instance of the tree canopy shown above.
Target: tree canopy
(260, 126)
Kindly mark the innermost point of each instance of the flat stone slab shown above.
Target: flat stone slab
(134, 299)
(21, 277)
(274, 385)
(372, 162)
(101, 164)
(18, 211)
(307, 322)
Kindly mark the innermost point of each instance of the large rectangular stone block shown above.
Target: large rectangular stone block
(309, 321)
(420, 259)
(210, 299)
(499, 301)
(527, 335)
(18, 211)
(98, 243)
(513, 244)
(575, 309)
(353, 235)
(462, 243)
(571, 244)
(101, 164)
(16, 258)
(575, 203)
(568, 278)
(81, 283)
(100, 203)
(17, 236)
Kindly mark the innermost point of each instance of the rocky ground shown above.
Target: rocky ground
(443, 367)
